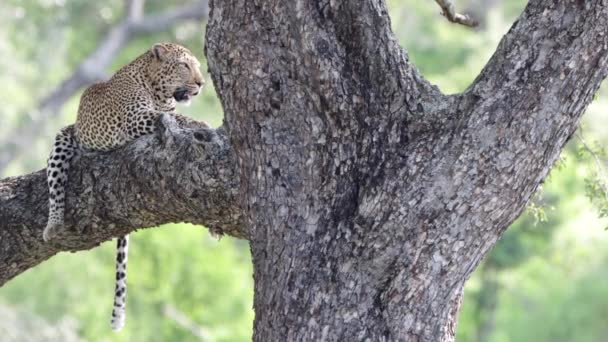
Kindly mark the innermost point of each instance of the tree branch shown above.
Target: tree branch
(449, 12)
(175, 175)
(479, 9)
(160, 22)
(91, 70)
(515, 118)
(134, 9)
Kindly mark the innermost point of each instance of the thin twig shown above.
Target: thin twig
(185, 322)
(449, 12)
(601, 169)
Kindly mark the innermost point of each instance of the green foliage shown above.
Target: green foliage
(596, 184)
(536, 209)
(179, 266)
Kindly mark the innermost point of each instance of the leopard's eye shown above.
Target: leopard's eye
(186, 65)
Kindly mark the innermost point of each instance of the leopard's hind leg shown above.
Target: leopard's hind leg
(58, 164)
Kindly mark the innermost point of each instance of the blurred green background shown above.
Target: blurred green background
(546, 280)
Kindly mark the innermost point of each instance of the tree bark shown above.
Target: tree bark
(369, 195)
(175, 175)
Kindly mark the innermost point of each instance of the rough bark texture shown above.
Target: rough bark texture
(371, 196)
(368, 195)
(176, 175)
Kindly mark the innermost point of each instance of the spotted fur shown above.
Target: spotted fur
(113, 113)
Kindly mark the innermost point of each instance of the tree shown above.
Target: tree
(367, 195)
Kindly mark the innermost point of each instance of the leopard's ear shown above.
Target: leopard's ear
(159, 51)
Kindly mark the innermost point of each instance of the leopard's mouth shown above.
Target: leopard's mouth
(182, 95)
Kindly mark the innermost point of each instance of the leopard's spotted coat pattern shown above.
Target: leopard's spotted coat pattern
(113, 113)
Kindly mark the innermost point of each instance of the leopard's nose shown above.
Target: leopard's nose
(199, 83)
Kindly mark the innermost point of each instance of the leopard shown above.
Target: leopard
(110, 115)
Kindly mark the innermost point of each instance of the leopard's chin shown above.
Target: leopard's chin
(185, 102)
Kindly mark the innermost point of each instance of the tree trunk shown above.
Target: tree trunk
(370, 196)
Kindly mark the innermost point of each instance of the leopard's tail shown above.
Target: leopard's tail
(120, 294)
(58, 164)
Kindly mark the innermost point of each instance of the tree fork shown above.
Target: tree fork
(370, 196)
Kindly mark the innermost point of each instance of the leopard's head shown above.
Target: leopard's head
(174, 72)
